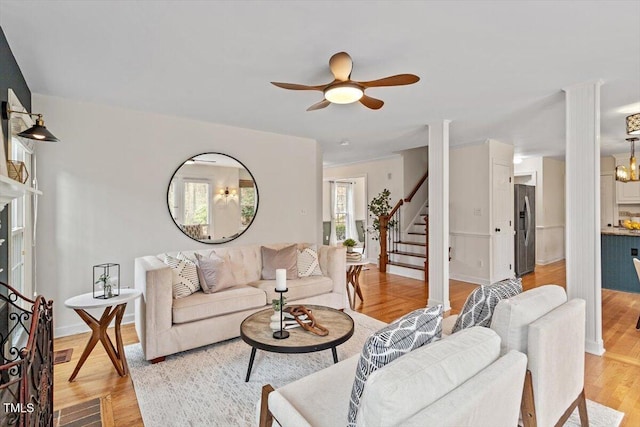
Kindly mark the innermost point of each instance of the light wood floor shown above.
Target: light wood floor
(613, 380)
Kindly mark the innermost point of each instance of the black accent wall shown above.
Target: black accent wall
(10, 78)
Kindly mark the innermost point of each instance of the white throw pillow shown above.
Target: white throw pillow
(308, 264)
(184, 275)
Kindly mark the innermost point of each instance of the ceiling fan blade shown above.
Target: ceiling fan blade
(294, 86)
(373, 103)
(397, 80)
(319, 105)
(341, 66)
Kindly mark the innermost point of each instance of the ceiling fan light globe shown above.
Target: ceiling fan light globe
(343, 94)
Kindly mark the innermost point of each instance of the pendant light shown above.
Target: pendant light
(631, 174)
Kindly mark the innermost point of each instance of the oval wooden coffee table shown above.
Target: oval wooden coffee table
(255, 331)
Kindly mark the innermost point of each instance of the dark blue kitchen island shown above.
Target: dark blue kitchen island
(619, 248)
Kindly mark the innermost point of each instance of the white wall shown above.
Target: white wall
(471, 239)
(380, 174)
(105, 191)
(415, 163)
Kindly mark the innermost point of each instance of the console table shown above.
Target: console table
(113, 308)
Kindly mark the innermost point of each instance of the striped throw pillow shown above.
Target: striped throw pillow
(185, 275)
(308, 264)
(411, 331)
(478, 309)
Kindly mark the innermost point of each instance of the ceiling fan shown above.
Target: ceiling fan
(343, 90)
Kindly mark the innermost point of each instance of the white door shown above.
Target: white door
(502, 220)
(607, 200)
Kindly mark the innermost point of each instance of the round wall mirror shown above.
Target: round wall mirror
(212, 198)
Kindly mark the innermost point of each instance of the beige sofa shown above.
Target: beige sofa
(166, 325)
(461, 380)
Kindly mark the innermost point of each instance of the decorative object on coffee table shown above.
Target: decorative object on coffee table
(281, 288)
(106, 280)
(254, 333)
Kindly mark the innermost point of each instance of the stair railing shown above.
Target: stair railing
(391, 228)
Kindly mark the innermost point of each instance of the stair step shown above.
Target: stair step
(417, 233)
(402, 264)
(408, 254)
(419, 223)
(402, 242)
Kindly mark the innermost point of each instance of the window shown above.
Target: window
(341, 211)
(247, 201)
(196, 203)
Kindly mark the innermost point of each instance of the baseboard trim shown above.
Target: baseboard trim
(550, 261)
(79, 328)
(446, 306)
(469, 279)
(594, 347)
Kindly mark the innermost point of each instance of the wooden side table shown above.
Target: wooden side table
(113, 308)
(353, 275)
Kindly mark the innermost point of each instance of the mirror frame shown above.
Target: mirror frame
(219, 241)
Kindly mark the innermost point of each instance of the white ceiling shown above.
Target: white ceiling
(495, 68)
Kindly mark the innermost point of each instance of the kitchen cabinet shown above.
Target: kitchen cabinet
(618, 271)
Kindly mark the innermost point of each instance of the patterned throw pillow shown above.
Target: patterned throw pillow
(185, 275)
(394, 340)
(478, 309)
(308, 264)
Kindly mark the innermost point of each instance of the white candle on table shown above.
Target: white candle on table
(281, 279)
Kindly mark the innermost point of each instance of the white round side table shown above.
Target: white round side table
(113, 308)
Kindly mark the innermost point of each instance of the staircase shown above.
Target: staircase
(407, 254)
(404, 249)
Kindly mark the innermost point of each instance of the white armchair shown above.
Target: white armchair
(551, 331)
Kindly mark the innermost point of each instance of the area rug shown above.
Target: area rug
(205, 387)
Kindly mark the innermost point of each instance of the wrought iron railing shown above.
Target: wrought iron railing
(26, 354)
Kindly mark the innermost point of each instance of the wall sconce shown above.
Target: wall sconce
(36, 132)
(226, 193)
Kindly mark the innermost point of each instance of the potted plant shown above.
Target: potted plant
(349, 243)
(378, 207)
(275, 303)
(103, 281)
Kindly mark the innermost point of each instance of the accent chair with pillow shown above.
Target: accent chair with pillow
(190, 299)
(551, 331)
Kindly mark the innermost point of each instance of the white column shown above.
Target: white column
(439, 214)
(583, 205)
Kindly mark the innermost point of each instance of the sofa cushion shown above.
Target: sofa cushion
(414, 381)
(202, 306)
(214, 273)
(304, 287)
(389, 343)
(273, 259)
(308, 264)
(246, 262)
(478, 309)
(184, 275)
(512, 316)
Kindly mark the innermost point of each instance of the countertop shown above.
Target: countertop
(620, 231)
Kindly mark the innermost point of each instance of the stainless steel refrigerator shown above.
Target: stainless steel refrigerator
(525, 238)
